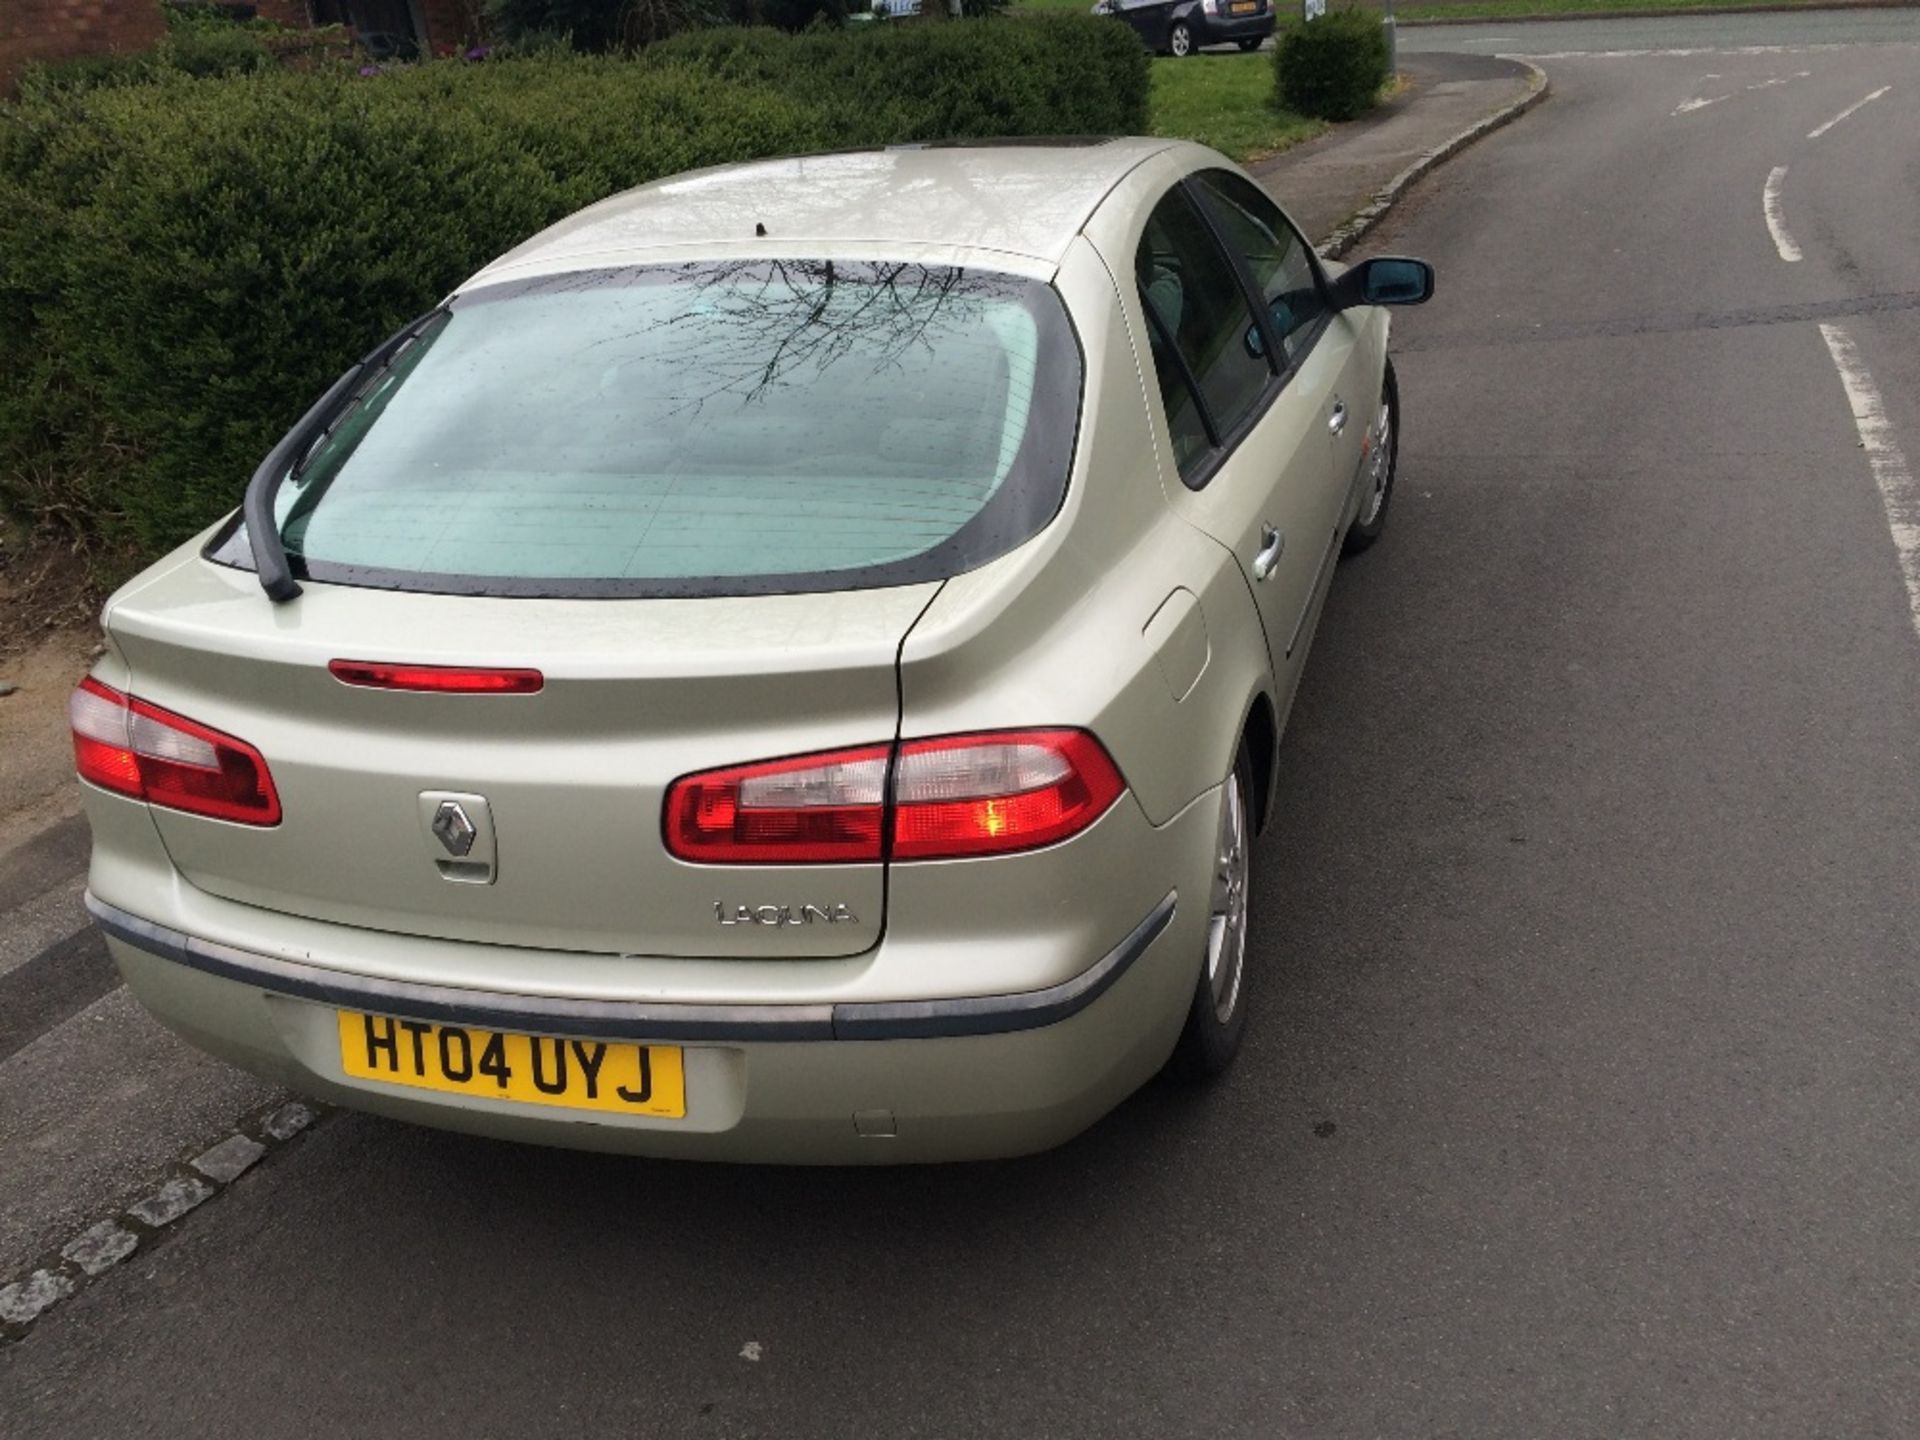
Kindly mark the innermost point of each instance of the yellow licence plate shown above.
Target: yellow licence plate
(615, 1076)
(1245, 8)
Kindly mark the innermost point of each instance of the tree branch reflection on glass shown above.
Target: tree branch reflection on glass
(738, 425)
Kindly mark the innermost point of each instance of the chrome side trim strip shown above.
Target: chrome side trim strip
(641, 1020)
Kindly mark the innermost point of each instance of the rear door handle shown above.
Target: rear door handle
(1337, 421)
(1273, 544)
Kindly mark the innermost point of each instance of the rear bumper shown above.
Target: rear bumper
(1225, 29)
(956, 1078)
(640, 1020)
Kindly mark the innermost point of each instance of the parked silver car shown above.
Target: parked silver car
(784, 665)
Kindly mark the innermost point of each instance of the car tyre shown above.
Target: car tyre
(1381, 466)
(1248, 45)
(1217, 1016)
(1180, 40)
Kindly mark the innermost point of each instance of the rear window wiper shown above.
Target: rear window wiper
(263, 535)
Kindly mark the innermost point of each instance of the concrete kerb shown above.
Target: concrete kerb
(202, 1175)
(1349, 232)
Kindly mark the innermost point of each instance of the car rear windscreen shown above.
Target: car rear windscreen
(713, 428)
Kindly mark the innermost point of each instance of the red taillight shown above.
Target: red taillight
(132, 748)
(802, 811)
(441, 679)
(951, 797)
(990, 794)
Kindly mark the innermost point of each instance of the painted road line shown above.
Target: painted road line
(1776, 222)
(1687, 107)
(1684, 50)
(1890, 469)
(1818, 131)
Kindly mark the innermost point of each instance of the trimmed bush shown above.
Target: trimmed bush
(1332, 68)
(185, 264)
(204, 51)
(87, 72)
(890, 83)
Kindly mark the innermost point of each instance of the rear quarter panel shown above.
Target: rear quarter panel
(1063, 631)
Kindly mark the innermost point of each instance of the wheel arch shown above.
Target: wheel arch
(1260, 733)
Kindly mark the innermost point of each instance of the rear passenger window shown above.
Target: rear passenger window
(1277, 257)
(1185, 425)
(1190, 288)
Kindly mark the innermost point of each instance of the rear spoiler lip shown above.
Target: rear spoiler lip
(643, 1020)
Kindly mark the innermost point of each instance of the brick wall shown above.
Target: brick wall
(60, 29)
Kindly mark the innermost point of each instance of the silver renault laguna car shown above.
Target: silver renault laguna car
(784, 665)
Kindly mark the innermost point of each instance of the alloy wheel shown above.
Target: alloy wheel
(1227, 916)
(1380, 475)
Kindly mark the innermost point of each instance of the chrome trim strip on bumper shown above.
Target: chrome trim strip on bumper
(643, 1020)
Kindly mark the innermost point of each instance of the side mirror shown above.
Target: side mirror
(1384, 280)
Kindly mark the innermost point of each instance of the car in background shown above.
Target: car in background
(1180, 27)
(785, 665)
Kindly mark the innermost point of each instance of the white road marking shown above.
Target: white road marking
(1776, 223)
(1687, 107)
(1817, 132)
(1890, 469)
(1693, 50)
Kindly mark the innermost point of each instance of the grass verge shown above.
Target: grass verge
(1225, 101)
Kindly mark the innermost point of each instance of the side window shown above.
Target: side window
(1184, 422)
(1277, 257)
(1202, 328)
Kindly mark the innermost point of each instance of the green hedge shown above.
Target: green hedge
(890, 83)
(185, 264)
(1332, 68)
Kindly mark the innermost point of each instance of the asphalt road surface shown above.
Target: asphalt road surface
(1580, 1098)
